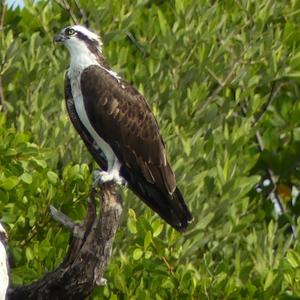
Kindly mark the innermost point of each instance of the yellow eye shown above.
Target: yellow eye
(70, 31)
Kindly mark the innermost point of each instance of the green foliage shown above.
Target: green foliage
(215, 73)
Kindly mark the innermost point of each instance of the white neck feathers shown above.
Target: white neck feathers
(81, 56)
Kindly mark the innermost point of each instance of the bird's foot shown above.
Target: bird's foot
(103, 176)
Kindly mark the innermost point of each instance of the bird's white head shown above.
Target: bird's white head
(84, 46)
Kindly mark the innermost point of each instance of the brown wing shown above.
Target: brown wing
(123, 119)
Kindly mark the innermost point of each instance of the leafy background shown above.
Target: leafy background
(223, 79)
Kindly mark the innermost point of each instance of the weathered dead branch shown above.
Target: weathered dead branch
(90, 249)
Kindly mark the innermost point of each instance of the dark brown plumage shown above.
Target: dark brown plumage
(122, 117)
(113, 110)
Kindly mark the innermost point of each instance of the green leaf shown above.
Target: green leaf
(131, 224)
(162, 22)
(9, 183)
(40, 163)
(147, 240)
(269, 280)
(113, 297)
(131, 214)
(203, 222)
(158, 229)
(293, 259)
(29, 254)
(148, 254)
(53, 178)
(137, 254)
(26, 177)
(179, 5)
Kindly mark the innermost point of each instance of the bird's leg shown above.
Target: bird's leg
(112, 174)
(100, 176)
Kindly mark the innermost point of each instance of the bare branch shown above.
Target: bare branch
(89, 251)
(275, 89)
(62, 218)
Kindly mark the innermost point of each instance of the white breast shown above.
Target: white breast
(74, 76)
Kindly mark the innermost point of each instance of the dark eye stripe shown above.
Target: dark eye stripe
(91, 43)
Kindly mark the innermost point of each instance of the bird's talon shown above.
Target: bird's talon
(103, 176)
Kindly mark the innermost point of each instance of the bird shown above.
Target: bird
(118, 128)
(4, 277)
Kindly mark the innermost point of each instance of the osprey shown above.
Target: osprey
(118, 127)
(4, 278)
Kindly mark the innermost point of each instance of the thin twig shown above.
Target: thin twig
(66, 6)
(82, 14)
(275, 89)
(70, 11)
(29, 236)
(39, 14)
(228, 79)
(170, 268)
(214, 75)
(136, 43)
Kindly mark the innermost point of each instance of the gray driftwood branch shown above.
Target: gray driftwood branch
(90, 248)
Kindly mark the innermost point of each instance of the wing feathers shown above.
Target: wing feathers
(123, 115)
(123, 119)
(172, 209)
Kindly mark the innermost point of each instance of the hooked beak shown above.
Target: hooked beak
(59, 38)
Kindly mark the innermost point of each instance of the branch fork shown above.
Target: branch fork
(90, 249)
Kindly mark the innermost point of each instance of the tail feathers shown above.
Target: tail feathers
(171, 208)
(180, 208)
